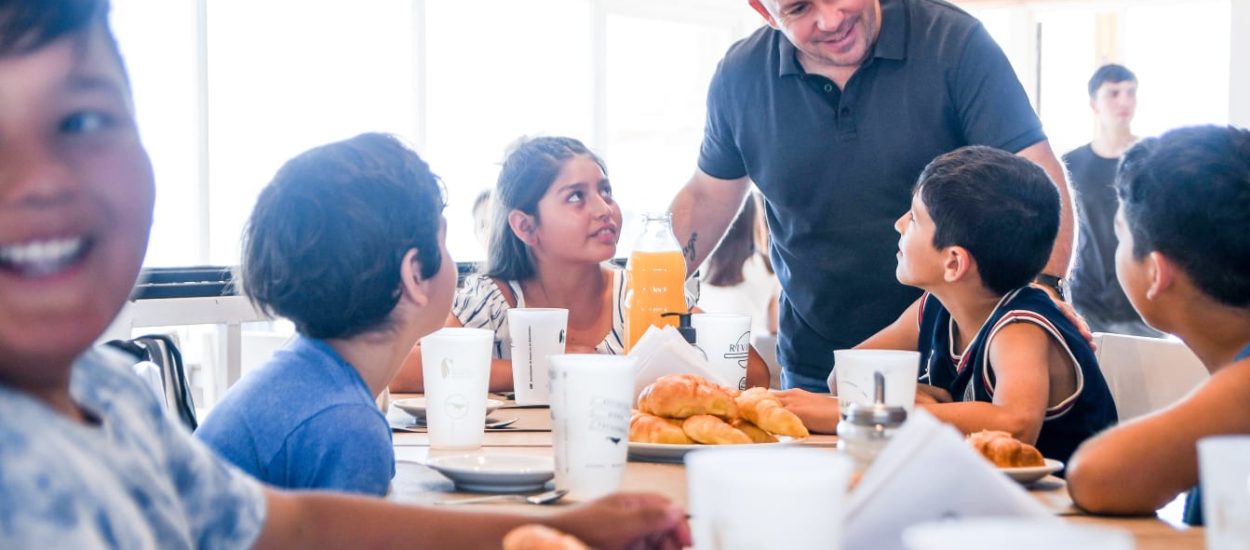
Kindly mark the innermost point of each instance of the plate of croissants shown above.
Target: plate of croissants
(683, 412)
(1018, 460)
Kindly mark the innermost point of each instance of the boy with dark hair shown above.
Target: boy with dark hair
(997, 354)
(1093, 288)
(345, 242)
(1184, 230)
(88, 457)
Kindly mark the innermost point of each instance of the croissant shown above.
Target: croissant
(686, 395)
(646, 428)
(711, 430)
(540, 537)
(764, 410)
(1004, 450)
(754, 432)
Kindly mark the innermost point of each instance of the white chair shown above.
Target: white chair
(1146, 374)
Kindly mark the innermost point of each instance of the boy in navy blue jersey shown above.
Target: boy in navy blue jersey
(995, 353)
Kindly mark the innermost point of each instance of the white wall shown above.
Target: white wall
(1239, 62)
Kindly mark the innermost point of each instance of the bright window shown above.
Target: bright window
(1180, 53)
(227, 95)
(287, 75)
(1068, 58)
(161, 60)
(520, 69)
(656, 104)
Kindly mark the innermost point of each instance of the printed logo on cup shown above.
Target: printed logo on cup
(456, 405)
(740, 350)
(449, 370)
(608, 416)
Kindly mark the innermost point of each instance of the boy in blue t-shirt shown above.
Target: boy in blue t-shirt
(1184, 249)
(88, 458)
(346, 242)
(996, 354)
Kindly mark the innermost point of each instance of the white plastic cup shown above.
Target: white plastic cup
(456, 365)
(726, 340)
(590, 406)
(994, 533)
(852, 380)
(749, 498)
(1224, 472)
(536, 334)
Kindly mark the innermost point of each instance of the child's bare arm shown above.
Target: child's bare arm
(1141, 465)
(818, 411)
(903, 333)
(327, 520)
(757, 369)
(1019, 357)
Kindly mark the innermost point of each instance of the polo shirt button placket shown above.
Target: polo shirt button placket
(846, 125)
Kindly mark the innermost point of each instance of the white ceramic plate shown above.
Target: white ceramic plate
(662, 452)
(415, 406)
(495, 473)
(1033, 473)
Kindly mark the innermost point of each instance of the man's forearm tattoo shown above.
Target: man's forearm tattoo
(688, 250)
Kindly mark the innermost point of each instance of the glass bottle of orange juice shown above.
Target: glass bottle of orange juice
(656, 274)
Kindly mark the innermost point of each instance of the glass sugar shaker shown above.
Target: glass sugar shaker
(867, 429)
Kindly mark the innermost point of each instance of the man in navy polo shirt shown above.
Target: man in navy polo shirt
(833, 110)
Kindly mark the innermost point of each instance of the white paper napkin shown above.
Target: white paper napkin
(661, 352)
(928, 472)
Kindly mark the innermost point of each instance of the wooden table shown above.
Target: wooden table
(417, 484)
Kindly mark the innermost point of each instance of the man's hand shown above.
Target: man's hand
(627, 521)
(819, 412)
(1070, 313)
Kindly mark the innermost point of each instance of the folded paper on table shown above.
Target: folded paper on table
(661, 352)
(927, 473)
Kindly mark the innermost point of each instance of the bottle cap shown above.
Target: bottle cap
(683, 324)
(878, 413)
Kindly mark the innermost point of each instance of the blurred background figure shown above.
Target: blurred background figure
(739, 278)
(481, 218)
(1094, 290)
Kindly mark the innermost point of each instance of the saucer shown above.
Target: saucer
(415, 406)
(672, 453)
(495, 473)
(1033, 473)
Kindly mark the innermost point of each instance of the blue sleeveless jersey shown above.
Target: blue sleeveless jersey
(969, 377)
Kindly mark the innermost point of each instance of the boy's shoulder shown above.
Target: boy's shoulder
(298, 380)
(1025, 304)
(66, 484)
(1035, 306)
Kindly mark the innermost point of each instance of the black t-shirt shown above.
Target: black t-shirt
(1096, 293)
(837, 167)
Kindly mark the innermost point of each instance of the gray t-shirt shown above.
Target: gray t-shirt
(1096, 294)
(137, 479)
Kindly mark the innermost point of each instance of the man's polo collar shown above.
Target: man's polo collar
(891, 41)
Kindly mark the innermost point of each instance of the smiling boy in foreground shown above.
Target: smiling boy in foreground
(88, 458)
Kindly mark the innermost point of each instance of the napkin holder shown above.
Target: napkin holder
(661, 352)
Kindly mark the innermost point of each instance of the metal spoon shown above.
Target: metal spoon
(494, 424)
(490, 425)
(540, 498)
